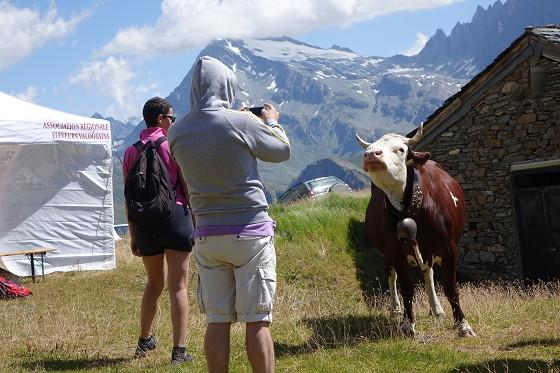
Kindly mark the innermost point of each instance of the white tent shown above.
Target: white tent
(55, 188)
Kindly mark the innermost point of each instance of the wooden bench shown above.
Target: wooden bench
(30, 254)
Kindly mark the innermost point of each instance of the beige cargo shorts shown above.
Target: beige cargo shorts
(236, 277)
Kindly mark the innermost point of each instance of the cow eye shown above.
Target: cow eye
(401, 150)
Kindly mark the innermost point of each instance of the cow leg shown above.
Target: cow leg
(407, 291)
(435, 305)
(428, 272)
(395, 302)
(452, 293)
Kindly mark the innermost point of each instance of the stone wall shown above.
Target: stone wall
(509, 124)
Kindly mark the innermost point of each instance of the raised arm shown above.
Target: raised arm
(266, 138)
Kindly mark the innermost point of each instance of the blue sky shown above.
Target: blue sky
(110, 56)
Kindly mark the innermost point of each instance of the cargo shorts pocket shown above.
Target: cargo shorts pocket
(199, 297)
(267, 277)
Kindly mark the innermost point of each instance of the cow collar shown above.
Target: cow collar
(412, 197)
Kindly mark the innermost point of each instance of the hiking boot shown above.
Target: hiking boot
(180, 355)
(145, 346)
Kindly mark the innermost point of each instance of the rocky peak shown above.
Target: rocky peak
(472, 46)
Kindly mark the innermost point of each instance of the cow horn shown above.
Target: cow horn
(363, 143)
(417, 136)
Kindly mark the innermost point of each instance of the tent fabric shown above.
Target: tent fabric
(55, 188)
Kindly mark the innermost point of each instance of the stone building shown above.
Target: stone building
(499, 136)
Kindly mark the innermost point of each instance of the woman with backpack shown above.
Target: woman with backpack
(160, 225)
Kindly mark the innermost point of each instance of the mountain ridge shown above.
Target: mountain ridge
(460, 53)
(326, 95)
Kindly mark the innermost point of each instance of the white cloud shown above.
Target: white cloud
(421, 40)
(28, 94)
(113, 77)
(186, 24)
(24, 30)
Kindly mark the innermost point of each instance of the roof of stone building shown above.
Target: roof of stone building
(535, 41)
(549, 32)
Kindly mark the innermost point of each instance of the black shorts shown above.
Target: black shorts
(175, 235)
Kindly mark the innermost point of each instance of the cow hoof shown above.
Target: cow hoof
(437, 312)
(396, 312)
(465, 330)
(408, 329)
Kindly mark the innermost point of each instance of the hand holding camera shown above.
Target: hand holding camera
(270, 112)
(257, 110)
(266, 112)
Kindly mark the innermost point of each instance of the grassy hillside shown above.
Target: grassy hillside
(331, 313)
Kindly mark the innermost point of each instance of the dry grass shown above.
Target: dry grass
(330, 314)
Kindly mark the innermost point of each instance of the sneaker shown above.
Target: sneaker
(180, 355)
(145, 346)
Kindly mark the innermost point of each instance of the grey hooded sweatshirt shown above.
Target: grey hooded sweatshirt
(217, 149)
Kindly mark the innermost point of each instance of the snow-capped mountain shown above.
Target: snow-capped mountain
(324, 96)
(472, 46)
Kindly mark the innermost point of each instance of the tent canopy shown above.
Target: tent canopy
(55, 188)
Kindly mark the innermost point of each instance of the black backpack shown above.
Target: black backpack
(149, 194)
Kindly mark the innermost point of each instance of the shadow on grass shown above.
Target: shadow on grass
(541, 342)
(370, 264)
(341, 331)
(61, 365)
(509, 366)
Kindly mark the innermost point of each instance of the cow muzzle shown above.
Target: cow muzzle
(372, 161)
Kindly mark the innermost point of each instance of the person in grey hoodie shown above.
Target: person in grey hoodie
(217, 149)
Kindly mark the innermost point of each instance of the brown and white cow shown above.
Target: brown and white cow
(415, 217)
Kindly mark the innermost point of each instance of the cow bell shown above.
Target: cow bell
(407, 229)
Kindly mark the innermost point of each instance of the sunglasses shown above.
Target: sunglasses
(171, 117)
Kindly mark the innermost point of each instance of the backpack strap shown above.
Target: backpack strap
(139, 145)
(160, 141)
(157, 144)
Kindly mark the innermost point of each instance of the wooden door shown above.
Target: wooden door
(538, 214)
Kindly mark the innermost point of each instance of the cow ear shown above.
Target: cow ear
(418, 158)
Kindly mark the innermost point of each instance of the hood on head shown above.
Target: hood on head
(213, 84)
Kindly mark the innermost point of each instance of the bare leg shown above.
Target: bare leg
(216, 347)
(260, 347)
(156, 280)
(177, 283)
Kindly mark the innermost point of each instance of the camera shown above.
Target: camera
(257, 110)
